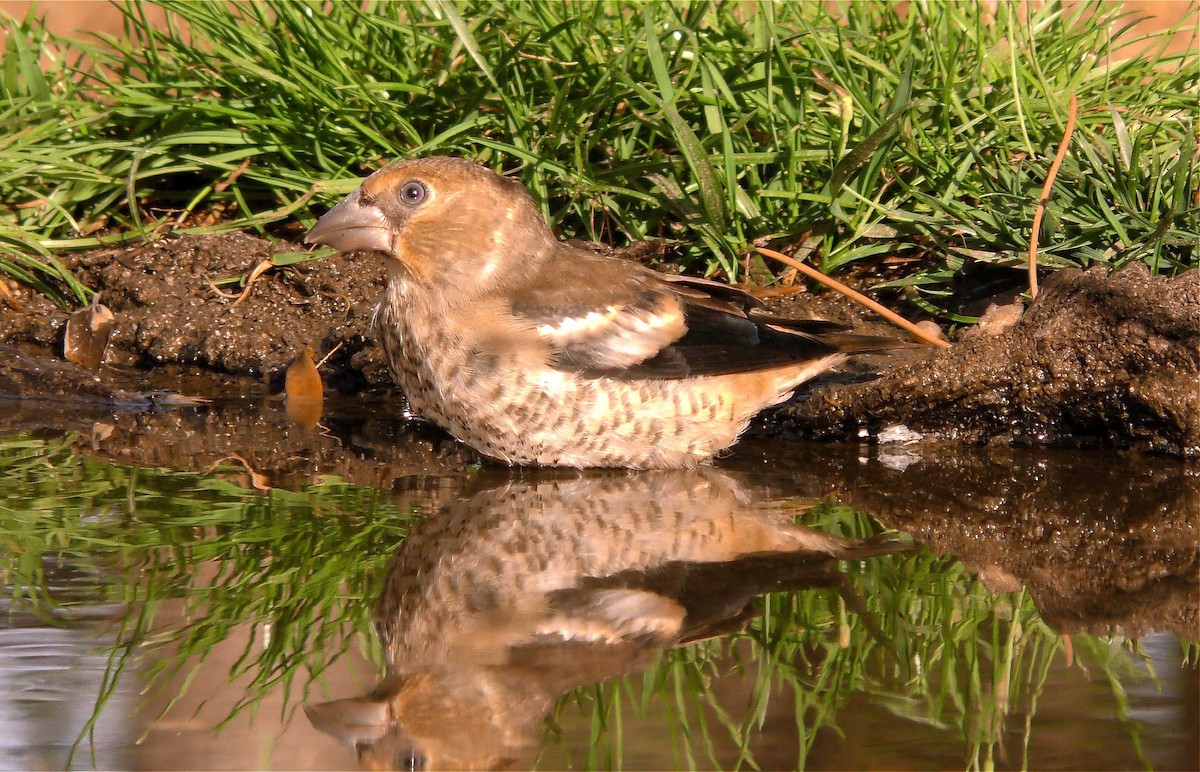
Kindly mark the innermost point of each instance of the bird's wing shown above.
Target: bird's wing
(607, 317)
(600, 313)
(721, 343)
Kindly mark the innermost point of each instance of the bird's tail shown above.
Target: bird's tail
(849, 343)
(833, 333)
(886, 543)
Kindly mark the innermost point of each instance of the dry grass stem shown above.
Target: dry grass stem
(857, 297)
(259, 270)
(1041, 205)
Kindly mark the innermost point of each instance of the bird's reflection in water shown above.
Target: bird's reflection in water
(515, 595)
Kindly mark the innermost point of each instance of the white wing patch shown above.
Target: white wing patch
(619, 335)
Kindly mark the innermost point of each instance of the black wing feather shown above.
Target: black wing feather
(719, 343)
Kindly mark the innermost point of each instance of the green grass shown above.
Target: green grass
(861, 132)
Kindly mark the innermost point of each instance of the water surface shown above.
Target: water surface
(181, 585)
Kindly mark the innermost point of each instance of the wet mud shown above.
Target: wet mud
(169, 313)
(1097, 361)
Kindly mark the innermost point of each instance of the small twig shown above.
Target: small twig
(332, 351)
(857, 297)
(1040, 209)
(232, 177)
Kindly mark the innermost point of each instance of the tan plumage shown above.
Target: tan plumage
(534, 351)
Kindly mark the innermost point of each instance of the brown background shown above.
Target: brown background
(66, 16)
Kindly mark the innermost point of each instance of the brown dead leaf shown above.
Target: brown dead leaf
(88, 330)
(303, 389)
(95, 225)
(101, 431)
(9, 297)
(238, 172)
(258, 480)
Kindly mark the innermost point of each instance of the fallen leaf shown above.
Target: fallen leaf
(88, 330)
(303, 389)
(258, 480)
(225, 183)
(10, 298)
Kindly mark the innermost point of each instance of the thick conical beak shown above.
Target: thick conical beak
(350, 226)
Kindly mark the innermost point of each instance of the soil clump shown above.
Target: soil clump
(1096, 361)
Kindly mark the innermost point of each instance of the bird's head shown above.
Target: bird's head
(446, 222)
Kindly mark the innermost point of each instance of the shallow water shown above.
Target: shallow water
(181, 585)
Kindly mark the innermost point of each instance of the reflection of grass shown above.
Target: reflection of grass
(924, 131)
(295, 566)
(912, 632)
(302, 565)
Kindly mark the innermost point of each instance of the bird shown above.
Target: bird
(531, 584)
(536, 351)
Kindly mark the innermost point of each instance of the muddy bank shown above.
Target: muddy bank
(168, 312)
(1097, 361)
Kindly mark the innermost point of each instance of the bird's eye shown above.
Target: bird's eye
(412, 192)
